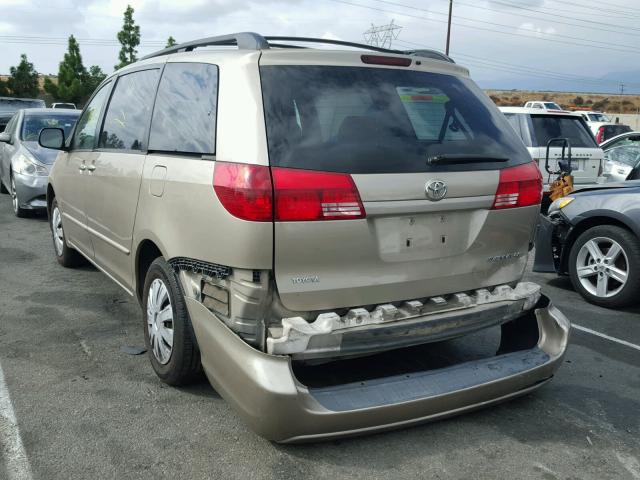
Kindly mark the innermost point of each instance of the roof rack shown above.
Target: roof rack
(255, 41)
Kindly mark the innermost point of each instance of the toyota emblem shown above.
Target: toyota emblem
(436, 190)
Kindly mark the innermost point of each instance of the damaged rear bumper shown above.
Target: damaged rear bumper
(267, 395)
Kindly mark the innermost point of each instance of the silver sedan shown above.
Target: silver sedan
(24, 165)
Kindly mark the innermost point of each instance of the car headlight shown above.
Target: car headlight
(560, 203)
(26, 165)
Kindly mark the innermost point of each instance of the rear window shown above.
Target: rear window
(611, 131)
(546, 127)
(373, 120)
(552, 106)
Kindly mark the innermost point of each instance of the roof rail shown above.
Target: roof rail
(255, 41)
(245, 40)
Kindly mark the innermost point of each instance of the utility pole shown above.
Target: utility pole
(383, 35)
(449, 27)
(621, 88)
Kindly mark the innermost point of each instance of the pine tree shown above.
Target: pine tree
(72, 76)
(129, 38)
(170, 42)
(23, 81)
(95, 78)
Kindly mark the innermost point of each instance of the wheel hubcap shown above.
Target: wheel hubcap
(56, 229)
(14, 195)
(602, 267)
(160, 321)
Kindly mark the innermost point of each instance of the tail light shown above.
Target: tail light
(247, 192)
(383, 60)
(244, 190)
(519, 186)
(600, 135)
(305, 195)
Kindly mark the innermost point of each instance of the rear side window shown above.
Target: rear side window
(184, 117)
(129, 111)
(373, 120)
(546, 127)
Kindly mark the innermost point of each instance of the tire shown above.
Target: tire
(181, 364)
(3, 189)
(66, 256)
(19, 212)
(607, 282)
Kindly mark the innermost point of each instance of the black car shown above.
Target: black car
(593, 235)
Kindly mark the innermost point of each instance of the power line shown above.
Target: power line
(603, 45)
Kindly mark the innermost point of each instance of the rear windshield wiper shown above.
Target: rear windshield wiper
(459, 158)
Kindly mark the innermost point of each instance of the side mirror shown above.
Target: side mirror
(5, 137)
(52, 138)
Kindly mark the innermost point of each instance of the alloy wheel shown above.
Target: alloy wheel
(160, 321)
(602, 267)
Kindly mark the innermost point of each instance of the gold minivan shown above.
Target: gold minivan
(289, 216)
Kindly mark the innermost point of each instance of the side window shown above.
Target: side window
(129, 111)
(85, 132)
(184, 117)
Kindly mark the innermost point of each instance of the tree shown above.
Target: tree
(4, 90)
(71, 76)
(23, 81)
(129, 38)
(170, 42)
(95, 78)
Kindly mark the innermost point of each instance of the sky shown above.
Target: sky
(566, 45)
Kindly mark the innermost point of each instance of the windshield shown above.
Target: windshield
(370, 120)
(14, 104)
(32, 125)
(626, 154)
(546, 127)
(552, 106)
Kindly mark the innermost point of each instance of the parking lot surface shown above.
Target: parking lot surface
(74, 406)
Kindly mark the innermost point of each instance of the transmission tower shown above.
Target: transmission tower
(382, 35)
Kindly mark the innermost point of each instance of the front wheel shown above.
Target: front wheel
(66, 256)
(15, 201)
(168, 332)
(604, 266)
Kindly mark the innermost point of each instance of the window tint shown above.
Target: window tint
(373, 120)
(514, 121)
(85, 133)
(184, 117)
(611, 131)
(129, 111)
(548, 127)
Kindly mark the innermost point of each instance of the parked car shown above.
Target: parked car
(621, 158)
(10, 105)
(593, 236)
(596, 117)
(24, 164)
(546, 106)
(71, 106)
(273, 207)
(602, 126)
(536, 128)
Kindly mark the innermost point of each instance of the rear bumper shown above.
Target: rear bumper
(265, 392)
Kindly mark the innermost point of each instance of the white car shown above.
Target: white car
(621, 157)
(537, 127)
(547, 106)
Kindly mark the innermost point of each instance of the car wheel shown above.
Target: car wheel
(66, 256)
(168, 332)
(604, 265)
(15, 201)
(3, 189)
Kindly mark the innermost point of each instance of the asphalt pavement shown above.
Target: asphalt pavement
(74, 406)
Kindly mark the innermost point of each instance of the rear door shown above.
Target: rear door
(114, 174)
(586, 156)
(385, 182)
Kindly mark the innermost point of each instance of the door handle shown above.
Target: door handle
(82, 167)
(91, 167)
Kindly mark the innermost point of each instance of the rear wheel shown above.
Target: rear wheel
(168, 333)
(604, 265)
(15, 201)
(66, 256)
